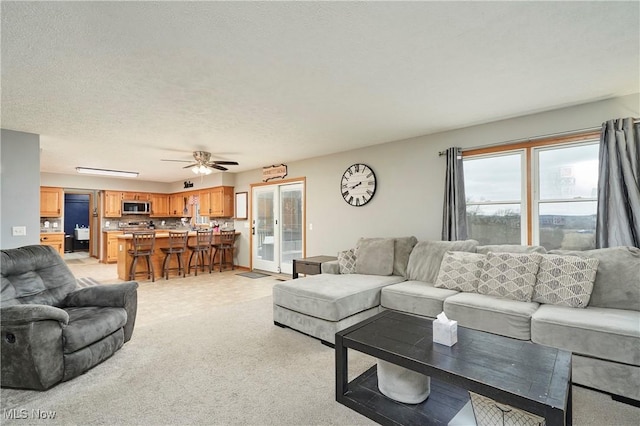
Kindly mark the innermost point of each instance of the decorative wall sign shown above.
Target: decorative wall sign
(274, 172)
(188, 184)
(241, 205)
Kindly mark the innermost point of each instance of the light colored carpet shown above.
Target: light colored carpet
(211, 363)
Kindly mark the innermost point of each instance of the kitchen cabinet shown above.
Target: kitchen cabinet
(53, 239)
(177, 204)
(216, 201)
(204, 202)
(159, 205)
(51, 201)
(136, 196)
(110, 250)
(112, 204)
(222, 201)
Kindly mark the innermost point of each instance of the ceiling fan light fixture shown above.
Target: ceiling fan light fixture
(201, 169)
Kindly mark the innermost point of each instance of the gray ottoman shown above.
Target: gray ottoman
(321, 305)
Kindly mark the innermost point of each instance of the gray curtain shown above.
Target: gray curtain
(618, 221)
(454, 216)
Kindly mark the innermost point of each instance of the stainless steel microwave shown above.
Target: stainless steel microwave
(136, 207)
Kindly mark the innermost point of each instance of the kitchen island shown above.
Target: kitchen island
(162, 240)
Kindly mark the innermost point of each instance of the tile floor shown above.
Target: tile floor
(185, 294)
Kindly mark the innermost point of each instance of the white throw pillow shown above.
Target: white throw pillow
(565, 280)
(509, 275)
(460, 271)
(347, 261)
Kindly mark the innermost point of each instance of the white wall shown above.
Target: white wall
(409, 195)
(19, 187)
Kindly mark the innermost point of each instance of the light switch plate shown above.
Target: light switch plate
(19, 231)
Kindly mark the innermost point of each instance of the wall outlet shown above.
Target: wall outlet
(19, 231)
(311, 227)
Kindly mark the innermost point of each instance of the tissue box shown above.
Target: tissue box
(445, 333)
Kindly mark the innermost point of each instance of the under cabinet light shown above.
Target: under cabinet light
(103, 172)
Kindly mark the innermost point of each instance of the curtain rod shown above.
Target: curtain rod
(537, 138)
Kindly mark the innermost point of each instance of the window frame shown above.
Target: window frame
(529, 235)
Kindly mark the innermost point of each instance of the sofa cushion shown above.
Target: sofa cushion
(332, 297)
(374, 256)
(510, 248)
(415, 297)
(565, 280)
(426, 257)
(402, 248)
(505, 317)
(347, 261)
(612, 334)
(460, 271)
(90, 324)
(617, 283)
(509, 275)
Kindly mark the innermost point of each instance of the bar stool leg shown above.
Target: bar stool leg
(132, 268)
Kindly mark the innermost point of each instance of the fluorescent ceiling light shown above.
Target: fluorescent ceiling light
(103, 172)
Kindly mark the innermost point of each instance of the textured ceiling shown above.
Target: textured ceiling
(122, 85)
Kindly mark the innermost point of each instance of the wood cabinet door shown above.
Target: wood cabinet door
(222, 201)
(112, 246)
(177, 204)
(51, 201)
(204, 202)
(56, 241)
(136, 196)
(112, 204)
(159, 205)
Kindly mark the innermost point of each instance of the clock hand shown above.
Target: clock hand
(357, 184)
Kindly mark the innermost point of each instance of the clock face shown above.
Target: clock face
(358, 185)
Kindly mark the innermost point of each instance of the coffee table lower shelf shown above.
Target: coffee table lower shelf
(443, 404)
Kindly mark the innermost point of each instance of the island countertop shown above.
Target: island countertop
(162, 241)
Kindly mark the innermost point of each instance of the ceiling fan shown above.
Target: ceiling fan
(203, 163)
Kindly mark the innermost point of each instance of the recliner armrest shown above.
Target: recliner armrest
(113, 295)
(124, 295)
(24, 314)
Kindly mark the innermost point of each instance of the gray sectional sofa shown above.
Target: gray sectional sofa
(516, 292)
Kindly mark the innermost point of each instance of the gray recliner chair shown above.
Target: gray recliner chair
(52, 330)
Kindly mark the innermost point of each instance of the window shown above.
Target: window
(542, 193)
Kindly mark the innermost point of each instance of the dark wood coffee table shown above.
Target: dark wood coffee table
(519, 373)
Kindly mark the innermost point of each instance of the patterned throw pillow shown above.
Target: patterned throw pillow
(565, 280)
(509, 275)
(347, 261)
(460, 271)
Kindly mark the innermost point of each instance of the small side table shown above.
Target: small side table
(310, 265)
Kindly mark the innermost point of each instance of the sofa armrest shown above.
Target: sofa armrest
(331, 267)
(124, 295)
(24, 314)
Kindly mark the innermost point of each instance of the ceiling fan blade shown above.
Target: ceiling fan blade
(226, 163)
(178, 161)
(215, 166)
(190, 165)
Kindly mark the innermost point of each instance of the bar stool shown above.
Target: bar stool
(177, 245)
(201, 249)
(227, 243)
(143, 244)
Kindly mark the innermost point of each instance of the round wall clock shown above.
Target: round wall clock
(358, 185)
